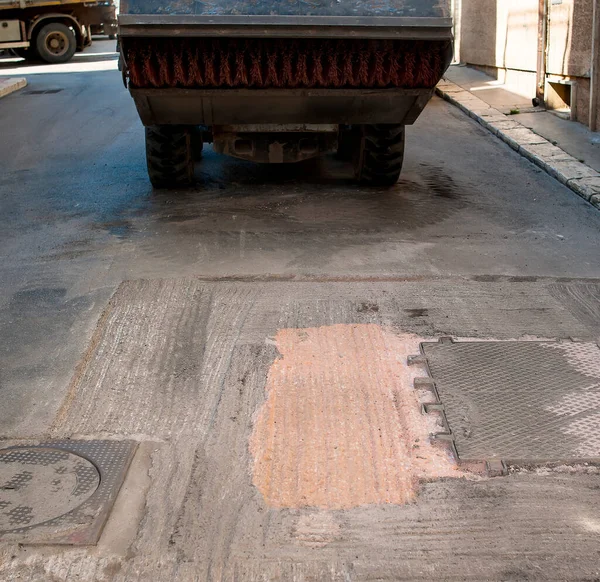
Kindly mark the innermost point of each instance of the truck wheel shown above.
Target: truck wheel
(380, 155)
(56, 43)
(169, 156)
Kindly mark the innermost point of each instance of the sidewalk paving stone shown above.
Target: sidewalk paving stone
(577, 176)
(519, 136)
(11, 85)
(586, 187)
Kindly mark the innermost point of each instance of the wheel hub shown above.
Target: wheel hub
(57, 43)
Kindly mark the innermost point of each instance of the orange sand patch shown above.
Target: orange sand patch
(341, 426)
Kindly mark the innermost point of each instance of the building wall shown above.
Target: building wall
(502, 36)
(500, 33)
(478, 32)
(570, 38)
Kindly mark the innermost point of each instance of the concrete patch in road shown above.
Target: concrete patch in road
(8, 86)
(341, 426)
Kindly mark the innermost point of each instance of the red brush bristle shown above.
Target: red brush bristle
(347, 65)
(136, 68)
(150, 69)
(387, 49)
(288, 78)
(302, 70)
(421, 65)
(225, 78)
(241, 70)
(271, 78)
(394, 69)
(165, 67)
(333, 76)
(317, 79)
(256, 74)
(362, 73)
(407, 76)
(194, 71)
(263, 63)
(426, 68)
(210, 72)
(375, 65)
(181, 70)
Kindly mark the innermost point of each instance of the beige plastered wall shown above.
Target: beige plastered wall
(501, 37)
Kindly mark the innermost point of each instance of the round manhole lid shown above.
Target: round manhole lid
(39, 484)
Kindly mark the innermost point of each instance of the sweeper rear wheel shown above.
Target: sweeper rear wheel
(169, 155)
(381, 153)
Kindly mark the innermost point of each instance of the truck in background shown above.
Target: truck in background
(53, 31)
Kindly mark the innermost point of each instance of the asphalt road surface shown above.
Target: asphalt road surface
(156, 316)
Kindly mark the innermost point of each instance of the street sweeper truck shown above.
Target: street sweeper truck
(280, 81)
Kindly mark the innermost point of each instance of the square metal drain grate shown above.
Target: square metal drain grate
(519, 401)
(60, 492)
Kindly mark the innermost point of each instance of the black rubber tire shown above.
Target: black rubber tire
(381, 154)
(66, 37)
(169, 156)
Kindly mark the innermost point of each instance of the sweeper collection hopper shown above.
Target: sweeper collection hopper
(281, 81)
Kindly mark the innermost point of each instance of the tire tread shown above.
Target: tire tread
(382, 155)
(169, 156)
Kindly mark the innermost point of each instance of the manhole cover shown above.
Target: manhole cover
(37, 485)
(60, 492)
(519, 401)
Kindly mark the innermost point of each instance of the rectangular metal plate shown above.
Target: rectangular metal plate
(520, 400)
(242, 106)
(185, 25)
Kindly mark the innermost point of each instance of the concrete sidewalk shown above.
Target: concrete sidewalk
(11, 85)
(567, 150)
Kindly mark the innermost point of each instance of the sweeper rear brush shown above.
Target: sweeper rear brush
(276, 63)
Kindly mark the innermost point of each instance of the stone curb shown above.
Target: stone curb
(582, 179)
(8, 86)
